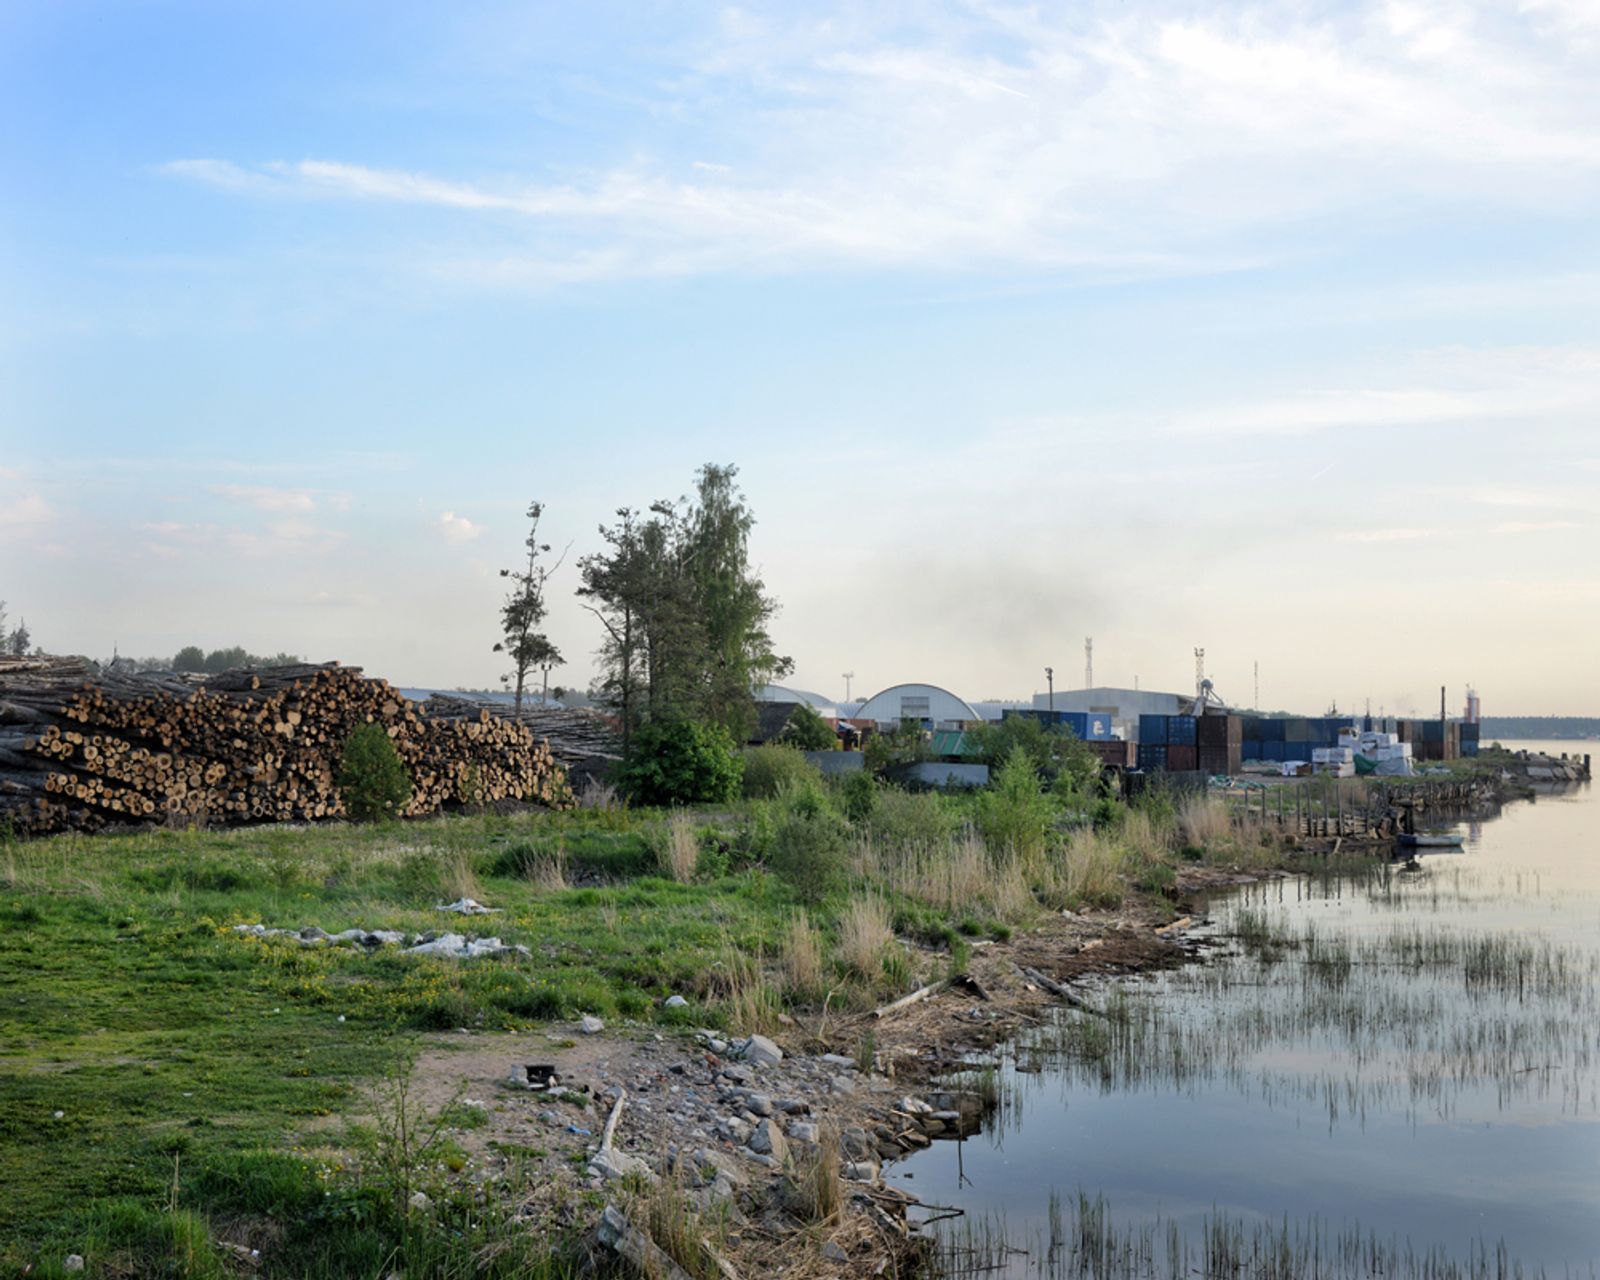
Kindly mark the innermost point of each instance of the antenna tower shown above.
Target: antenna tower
(848, 677)
(1199, 671)
(1257, 703)
(1088, 662)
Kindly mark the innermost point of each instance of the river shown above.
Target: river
(1396, 1073)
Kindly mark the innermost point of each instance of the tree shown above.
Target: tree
(685, 616)
(189, 658)
(1057, 754)
(372, 778)
(17, 645)
(220, 660)
(808, 731)
(524, 610)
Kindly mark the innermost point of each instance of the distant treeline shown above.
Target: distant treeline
(1540, 727)
(194, 658)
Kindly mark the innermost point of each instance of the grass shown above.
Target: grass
(203, 1077)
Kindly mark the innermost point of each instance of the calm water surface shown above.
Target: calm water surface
(1416, 1055)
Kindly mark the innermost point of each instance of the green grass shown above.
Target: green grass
(211, 1086)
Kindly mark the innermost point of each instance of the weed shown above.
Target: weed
(679, 853)
(865, 937)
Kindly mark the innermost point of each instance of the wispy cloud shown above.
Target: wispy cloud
(454, 528)
(263, 498)
(1536, 526)
(1386, 535)
(1053, 137)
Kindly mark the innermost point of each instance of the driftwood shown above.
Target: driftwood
(1060, 990)
(80, 748)
(905, 1002)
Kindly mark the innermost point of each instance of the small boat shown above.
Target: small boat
(1432, 841)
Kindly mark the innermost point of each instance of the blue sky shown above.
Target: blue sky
(1269, 329)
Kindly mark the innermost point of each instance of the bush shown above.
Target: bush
(372, 780)
(1014, 815)
(810, 847)
(770, 769)
(808, 731)
(858, 794)
(680, 763)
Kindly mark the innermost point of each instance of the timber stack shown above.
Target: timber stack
(80, 748)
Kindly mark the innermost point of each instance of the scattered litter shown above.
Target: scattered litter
(311, 936)
(538, 1075)
(676, 1002)
(580, 1131)
(468, 907)
(453, 944)
(341, 1017)
(74, 1262)
(59, 1115)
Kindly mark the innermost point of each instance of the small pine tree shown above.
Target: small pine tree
(372, 778)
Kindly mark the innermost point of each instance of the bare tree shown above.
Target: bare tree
(524, 610)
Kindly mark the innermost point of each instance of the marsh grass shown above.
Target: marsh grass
(1081, 1241)
(866, 937)
(679, 851)
(803, 965)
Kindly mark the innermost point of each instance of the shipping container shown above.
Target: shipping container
(1152, 731)
(1272, 730)
(1180, 731)
(1114, 751)
(1182, 758)
(1250, 750)
(1272, 752)
(1250, 728)
(1152, 756)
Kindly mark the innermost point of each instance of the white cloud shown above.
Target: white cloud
(1536, 526)
(454, 528)
(263, 498)
(1386, 535)
(1053, 136)
(18, 510)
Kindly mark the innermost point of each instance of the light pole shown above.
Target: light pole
(1050, 680)
(848, 677)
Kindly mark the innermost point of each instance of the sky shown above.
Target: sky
(1269, 329)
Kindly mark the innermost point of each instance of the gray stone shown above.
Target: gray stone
(839, 1060)
(760, 1104)
(761, 1052)
(768, 1139)
(914, 1106)
(842, 1084)
(676, 1002)
(74, 1262)
(804, 1131)
(860, 1171)
(716, 1165)
(612, 1165)
(833, 1253)
(856, 1142)
(591, 1025)
(793, 1106)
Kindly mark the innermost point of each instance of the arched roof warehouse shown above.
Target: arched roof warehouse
(916, 702)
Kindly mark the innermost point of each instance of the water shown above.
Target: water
(1411, 1056)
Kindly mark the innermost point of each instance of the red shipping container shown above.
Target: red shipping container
(1182, 759)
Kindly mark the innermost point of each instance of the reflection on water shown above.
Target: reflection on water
(1405, 1059)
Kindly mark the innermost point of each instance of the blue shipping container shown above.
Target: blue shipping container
(1272, 730)
(1180, 731)
(1250, 749)
(1152, 757)
(1097, 729)
(1272, 752)
(1153, 731)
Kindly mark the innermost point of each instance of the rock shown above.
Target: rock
(734, 1129)
(763, 1159)
(715, 1165)
(612, 1165)
(760, 1104)
(842, 1084)
(677, 1002)
(833, 1253)
(804, 1131)
(860, 1171)
(760, 1052)
(468, 907)
(739, 1075)
(768, 1139)
(856, 1142)
(914, 1106)
(591, 1025)
(73, 1262)
(838, 1060)
(420, 1201)
(717, 1046)
(793, 1106)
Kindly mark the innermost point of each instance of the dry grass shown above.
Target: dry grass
(1091, 870)
(599, 795)
(957, 876)
(680, 853)
(456, 876)
(547, 869)
(865, 936)
(737, 982)
(814, 1191)
(1203, 823)
(673, 1222)
(802, 959)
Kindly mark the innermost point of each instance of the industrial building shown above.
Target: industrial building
(925, 704)
(1124, 706)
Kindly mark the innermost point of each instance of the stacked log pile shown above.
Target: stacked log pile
(577, 735)
(80, 749)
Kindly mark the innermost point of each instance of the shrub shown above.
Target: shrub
(771, 769)
(1014, 814)
(680, 763)
(810, 847)
(808, 731)
(858, 795)
(372, 780)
